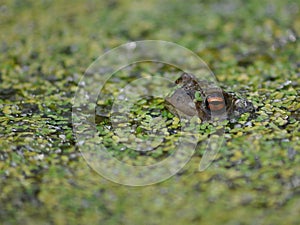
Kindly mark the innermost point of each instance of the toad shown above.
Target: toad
(206, 100)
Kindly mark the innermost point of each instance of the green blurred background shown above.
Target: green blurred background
(47, 45)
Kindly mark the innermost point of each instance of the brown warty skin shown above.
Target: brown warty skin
(215, 102)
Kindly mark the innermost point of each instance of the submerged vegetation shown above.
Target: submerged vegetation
(253, 49)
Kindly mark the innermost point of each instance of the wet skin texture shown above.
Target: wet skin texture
(212, 101)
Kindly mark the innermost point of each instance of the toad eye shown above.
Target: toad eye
(215, 103)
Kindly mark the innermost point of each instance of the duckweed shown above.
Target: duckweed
(253, 49)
